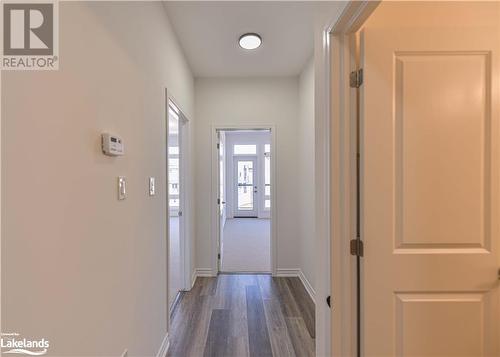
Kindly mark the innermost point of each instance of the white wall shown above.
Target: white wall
(306, 142)
(80, 268)
(249, 101)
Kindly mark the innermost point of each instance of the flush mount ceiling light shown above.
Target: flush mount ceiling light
(250, 41)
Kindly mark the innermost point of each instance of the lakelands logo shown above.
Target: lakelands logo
(30, 40)
(13, 343)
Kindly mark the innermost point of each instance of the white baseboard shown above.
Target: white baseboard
(162, 352)
(202, 273)
(287, 272)
(308, 286)
(193, 278)
(299, 274)
(243, 272)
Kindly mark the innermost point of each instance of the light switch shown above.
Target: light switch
(122, 188)
(151, 186)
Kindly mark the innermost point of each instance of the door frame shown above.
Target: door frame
(342, 114)
(184, 197)
(214, 192)
(256, 201)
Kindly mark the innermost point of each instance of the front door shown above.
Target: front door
(430, 180)
(245, 179)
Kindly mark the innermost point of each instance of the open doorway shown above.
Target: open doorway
(244, 182)
(176, 201)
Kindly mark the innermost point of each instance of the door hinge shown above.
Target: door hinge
(218, 146)
(356, 78)
(218, 256)
(218, 201)
(357, 247)
(328, 301)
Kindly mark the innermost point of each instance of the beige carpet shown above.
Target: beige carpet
(246, 245)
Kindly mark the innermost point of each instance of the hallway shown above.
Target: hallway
(243, 315)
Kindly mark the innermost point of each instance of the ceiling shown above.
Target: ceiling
(208, 32)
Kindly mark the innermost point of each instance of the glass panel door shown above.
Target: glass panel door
(175, 218)
(246, 186)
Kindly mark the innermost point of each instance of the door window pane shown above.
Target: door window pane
(173, 150)
(245, 185)
(267, 171)
(173, 176)
(174, 203)
(245, 173)
(267, 177)
(245, 149)
(245, 198)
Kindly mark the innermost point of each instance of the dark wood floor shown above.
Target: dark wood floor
(243, 315)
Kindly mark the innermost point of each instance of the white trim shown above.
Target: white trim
(193, 278)
(214, 217)
(186, 246)
(162, 352)
(245, 272)
(328, 200)
(298, 273)
(308, 286)
(283, 273)
(322, 192)
(342, 184)
(201, 273)
(166, 207)
(204, 272)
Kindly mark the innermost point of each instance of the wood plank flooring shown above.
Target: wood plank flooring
(243, 315)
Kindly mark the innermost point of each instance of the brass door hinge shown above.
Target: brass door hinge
(357, 247)
(356, 78)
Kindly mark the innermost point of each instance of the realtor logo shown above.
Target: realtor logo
(29, 36)
(28, 29)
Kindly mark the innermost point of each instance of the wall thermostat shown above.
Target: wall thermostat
(112, 145)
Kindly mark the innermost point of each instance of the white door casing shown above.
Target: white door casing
(214, 192)
(430, 183)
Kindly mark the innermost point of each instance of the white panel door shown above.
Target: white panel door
(430, 187)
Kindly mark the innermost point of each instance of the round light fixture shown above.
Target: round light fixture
(250, 41)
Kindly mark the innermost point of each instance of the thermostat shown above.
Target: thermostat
(112, 145)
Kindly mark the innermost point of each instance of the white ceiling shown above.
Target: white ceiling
(208, 32)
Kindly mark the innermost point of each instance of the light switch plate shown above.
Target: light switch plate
(122, 188)
(152, 189)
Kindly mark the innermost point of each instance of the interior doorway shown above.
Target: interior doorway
(244, 200)
(176, 144)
